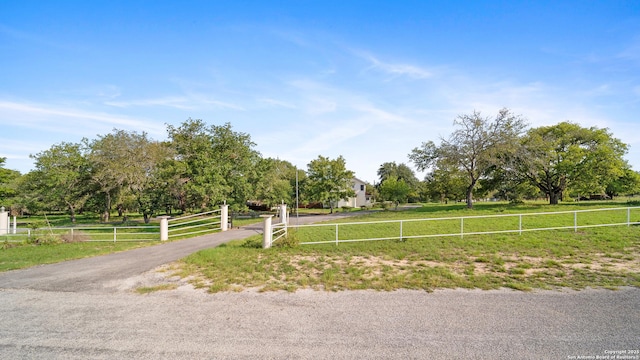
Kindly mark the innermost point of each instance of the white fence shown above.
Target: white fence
(460, 226)
(198, 224)
(172, 228)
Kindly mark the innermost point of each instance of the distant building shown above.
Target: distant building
(361, 198)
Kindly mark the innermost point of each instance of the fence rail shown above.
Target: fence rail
(463, 226)
(181, 227)
(86, 233)
(206, 222)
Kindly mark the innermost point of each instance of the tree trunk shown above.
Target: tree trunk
(107, 209)
(470, 197)
(554, 196)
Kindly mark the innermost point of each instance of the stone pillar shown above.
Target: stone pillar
(224, 217)
(267, 231)
(4, 221)
(164, 228)
(284, 217)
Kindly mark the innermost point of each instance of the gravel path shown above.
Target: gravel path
(85, 309)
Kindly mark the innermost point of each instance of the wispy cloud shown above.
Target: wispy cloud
(173, 102)
(192, 102)
(55, 119)
(395, 69)
(276, 103)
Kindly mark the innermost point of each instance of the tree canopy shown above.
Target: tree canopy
(556, 158)
(329, 181)
(476, 146)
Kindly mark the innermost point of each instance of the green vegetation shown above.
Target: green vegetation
(597, 257)
(161, 287)
(18, 256)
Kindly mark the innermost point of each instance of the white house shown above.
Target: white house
(361, 198)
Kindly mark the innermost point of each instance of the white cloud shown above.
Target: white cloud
(396, 69)
(276, 103)
(53, 119)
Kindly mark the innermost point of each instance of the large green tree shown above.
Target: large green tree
(62, 177)
(120, 163)
(275, 182)
(329, 181)
(212, 164)
(627, 184)
(475, 147)
(568, 156)
(401, 172)
(445, 183)
(8, 180)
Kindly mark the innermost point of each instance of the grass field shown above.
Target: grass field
(606, 257)
(14, 256)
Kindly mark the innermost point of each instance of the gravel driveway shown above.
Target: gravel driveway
(85, 309)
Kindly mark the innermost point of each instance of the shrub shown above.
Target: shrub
(252, 243)
(288, 241)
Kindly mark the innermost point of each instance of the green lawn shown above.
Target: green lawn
(596, 257)
(18, 256)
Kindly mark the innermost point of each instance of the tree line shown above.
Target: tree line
(500, 156)
(200, 166)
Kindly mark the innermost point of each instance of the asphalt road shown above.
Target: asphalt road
(85, 309)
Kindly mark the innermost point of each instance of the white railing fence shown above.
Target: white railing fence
(459, 226)
(196, 224)
(169, 228)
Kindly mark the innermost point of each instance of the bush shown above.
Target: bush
(252, 243)
(288, 241)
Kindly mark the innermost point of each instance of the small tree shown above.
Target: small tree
(329, 180)
(394, 190)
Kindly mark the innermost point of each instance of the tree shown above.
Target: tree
(213, 164)
(627, 184)
(329, 181)
(274, 182)
(8, 179)
(474, 147)
(567, 156)
(394, 189)
(401, 172)
(444, 183)
(120, 163)
(61, 177)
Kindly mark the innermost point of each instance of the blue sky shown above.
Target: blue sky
(368, 80)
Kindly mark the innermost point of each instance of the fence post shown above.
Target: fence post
(267, 231)
(4, 221)
(575, 221)
(628, 217)
(336, 234)
(400, 230)
(520, 225)
(283, 214)
(461, 228)
(224, 217)
(164, 228)
(15, 224)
